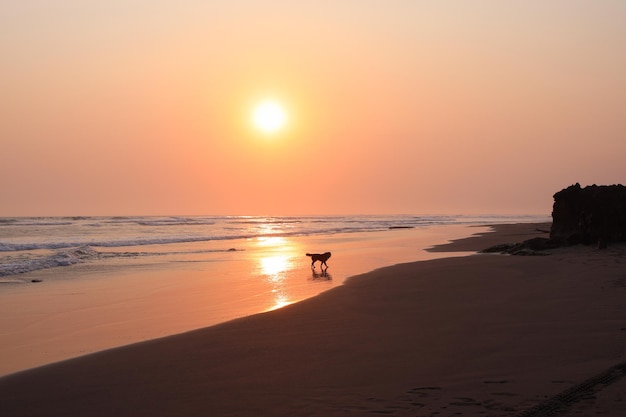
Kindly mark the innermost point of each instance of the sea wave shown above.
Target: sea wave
(62, 258)
(111, 232)
(176, 222)
(79, 255)
(165, 240)
(29, 246)
(36, 223)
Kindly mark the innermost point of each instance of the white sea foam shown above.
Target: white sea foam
(25, 263)
(13, 265)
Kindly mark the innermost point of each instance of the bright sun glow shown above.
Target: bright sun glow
(269, 116)
(274, 265)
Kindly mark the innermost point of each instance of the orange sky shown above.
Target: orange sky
(145, 107)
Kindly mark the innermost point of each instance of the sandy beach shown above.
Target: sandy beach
(486, 334)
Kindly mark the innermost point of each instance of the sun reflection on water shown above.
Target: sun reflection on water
(275, 264)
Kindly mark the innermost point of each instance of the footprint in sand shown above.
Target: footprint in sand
(464, 401)
(420, 389)
(423, 391)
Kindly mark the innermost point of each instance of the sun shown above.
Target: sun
(269, 116)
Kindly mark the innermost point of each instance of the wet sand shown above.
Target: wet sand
(476, 335)
(87, 308)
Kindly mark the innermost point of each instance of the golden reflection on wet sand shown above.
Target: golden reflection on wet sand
(277, 258)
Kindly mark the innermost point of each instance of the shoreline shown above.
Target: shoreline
(467, 335)
(83, 308)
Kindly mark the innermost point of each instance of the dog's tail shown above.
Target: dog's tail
(308, 254)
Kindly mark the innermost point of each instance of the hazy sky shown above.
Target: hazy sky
(124, 107)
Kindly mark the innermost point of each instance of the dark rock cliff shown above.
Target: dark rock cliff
(591, 215)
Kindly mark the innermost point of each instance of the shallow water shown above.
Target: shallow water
(87, 307)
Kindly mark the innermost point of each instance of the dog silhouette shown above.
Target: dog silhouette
(321, 257)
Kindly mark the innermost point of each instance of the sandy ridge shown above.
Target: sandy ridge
(559, 403)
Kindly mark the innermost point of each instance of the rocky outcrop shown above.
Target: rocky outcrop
(591, 215)
(531, 247)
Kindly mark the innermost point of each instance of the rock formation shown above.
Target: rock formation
(591, 215)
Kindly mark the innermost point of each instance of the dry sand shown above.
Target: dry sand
(488, 335)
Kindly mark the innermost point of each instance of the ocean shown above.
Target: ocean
(30, 244)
